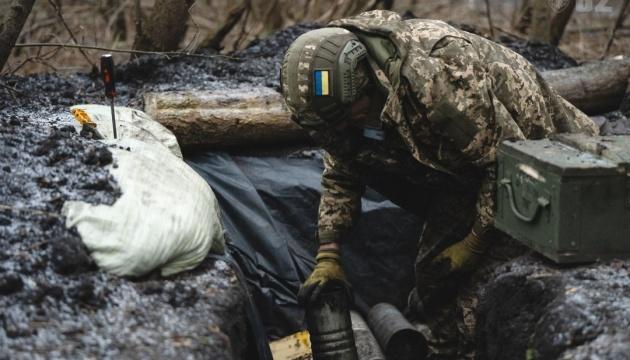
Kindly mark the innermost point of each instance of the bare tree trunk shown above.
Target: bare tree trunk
(118, 23)
(234, 16)
(549, 19)
(12, 19)
(522, 18)
(165, 27)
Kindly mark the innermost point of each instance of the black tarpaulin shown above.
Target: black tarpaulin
(269, 210)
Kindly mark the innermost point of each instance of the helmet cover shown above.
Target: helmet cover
(321, 76)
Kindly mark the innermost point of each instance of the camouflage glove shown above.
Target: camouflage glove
(327, 272)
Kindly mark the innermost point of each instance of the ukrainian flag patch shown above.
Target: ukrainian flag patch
(322, 86)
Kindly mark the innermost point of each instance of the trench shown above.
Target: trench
(57, 303)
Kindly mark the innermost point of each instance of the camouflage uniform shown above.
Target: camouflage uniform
(452, 97)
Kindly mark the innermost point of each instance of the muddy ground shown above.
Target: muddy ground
(531, 306)
(57, 304)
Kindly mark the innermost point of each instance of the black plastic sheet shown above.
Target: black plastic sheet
(269, 210)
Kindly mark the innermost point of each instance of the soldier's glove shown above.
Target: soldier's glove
(327, 272)
(433, 280)
(458, 258)
(464, 255)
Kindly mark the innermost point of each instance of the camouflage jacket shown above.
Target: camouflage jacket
(452, 97)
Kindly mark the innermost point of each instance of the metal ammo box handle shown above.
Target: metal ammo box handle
(541, 202)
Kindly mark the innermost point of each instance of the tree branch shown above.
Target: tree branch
(14, 19)
(618, 23)
(12, 90)
(167, 54)
(489, 16)
(74, 39)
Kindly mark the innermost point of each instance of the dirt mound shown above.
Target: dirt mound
(543, 56)
(55, 301)
(532, 307)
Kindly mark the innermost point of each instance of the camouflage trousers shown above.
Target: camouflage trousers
(447, 207)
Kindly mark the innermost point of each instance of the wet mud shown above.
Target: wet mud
(533, 309)
(57, 304)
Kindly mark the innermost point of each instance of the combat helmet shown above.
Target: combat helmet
(321, 77)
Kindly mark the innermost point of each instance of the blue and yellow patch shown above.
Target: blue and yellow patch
(322, 86)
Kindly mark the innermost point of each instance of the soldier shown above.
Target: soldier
(416, 110)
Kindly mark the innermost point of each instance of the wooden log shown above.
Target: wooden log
(257, 115)
(593, 88)
(235, 117)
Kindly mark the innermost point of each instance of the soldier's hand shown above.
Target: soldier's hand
(464, 255)
(433, 280)
(460, 257)
(327, 272)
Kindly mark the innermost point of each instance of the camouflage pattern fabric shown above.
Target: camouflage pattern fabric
(452, 97)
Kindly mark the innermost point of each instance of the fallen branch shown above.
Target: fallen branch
(167, 54)
(12, 91)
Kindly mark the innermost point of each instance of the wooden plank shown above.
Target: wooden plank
(292, 347)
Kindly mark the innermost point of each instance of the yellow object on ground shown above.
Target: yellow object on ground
(292, 347)
(82, 117)
(130, 124)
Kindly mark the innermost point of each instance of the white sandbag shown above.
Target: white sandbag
(167, 216)
(130, 124)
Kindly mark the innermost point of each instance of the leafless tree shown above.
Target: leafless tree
(544, 20)
(165, 27)
(11, 22)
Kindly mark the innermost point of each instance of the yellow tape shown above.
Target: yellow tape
(82, 117)
(325, 89)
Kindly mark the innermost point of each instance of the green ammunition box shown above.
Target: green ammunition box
(567, 197)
